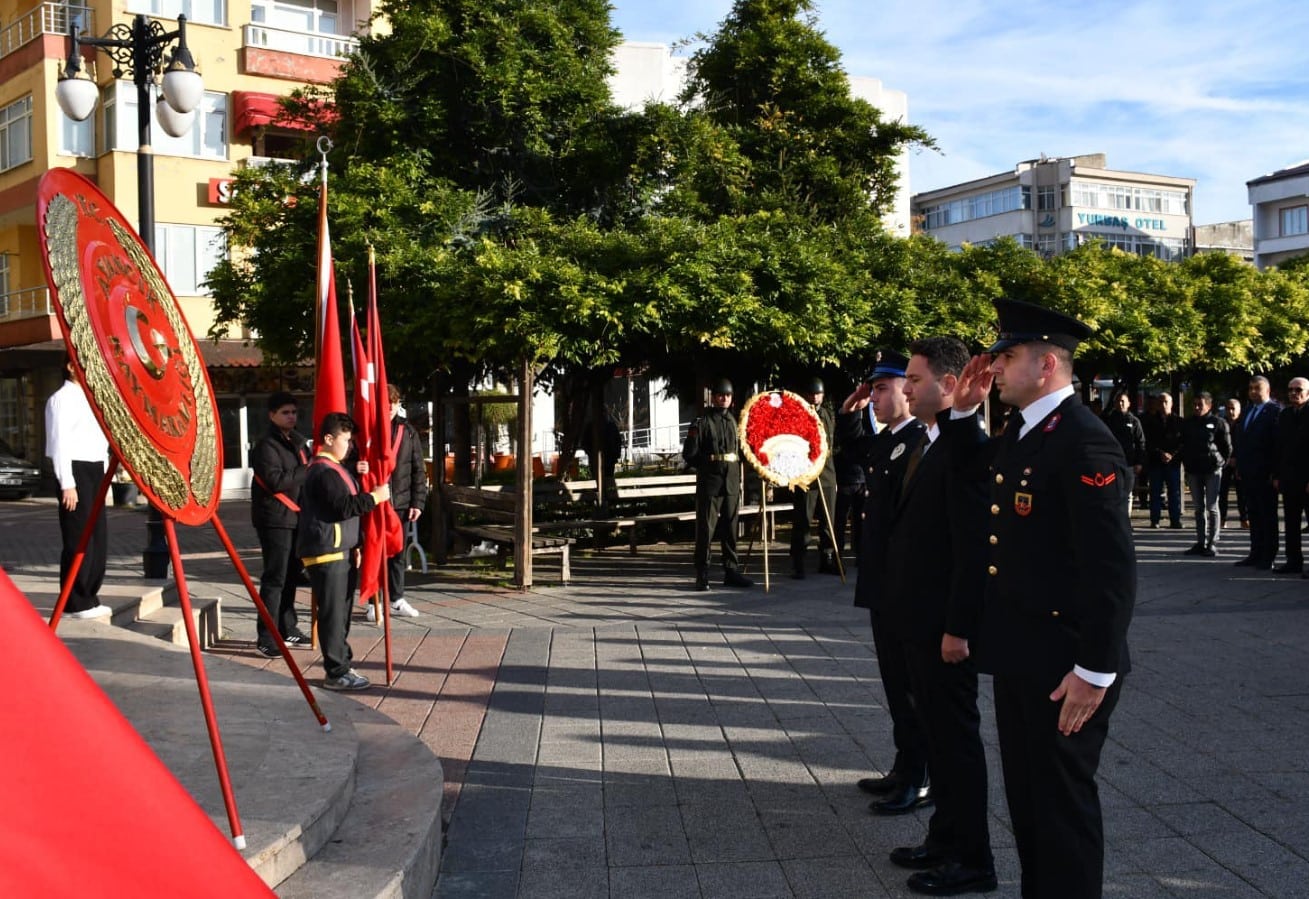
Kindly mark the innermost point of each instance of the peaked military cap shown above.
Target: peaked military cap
(1025, 322)
(890, 364)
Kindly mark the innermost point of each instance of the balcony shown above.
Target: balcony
(48, 18)
(303, 43)
(31, 303)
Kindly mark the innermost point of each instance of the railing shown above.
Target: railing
(30, 303)
(48, 18)
(307, 43)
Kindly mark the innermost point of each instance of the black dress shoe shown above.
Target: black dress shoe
(734, 578)
(702, 581)
(904, 800)
(1288, 568)
(951, 879)
(878, 786)
(1209, 552)
(1195, 550)
(1247, 562)
(917, 858)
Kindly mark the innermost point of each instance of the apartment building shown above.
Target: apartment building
(1280, 204)
(1052, 205)
(249, 53)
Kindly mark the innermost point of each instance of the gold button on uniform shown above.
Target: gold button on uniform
(999, 478)
(994, 539)
(991, 569)
(995, 510)
(1055, 613)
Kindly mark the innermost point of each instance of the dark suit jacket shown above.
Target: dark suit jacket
(935, 565)
(883, 456)
(1256, 450)
(1061, 574)
(1292, 453)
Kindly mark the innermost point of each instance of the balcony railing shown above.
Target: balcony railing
(48, 18)
(31, 303)
(308, 43)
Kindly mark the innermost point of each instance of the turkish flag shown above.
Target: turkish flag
(329, 380)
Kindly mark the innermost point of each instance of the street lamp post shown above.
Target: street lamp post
(138, 50)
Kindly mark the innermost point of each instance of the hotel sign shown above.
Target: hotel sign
(1140, 223)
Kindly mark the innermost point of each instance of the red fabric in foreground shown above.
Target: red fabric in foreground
(86, 808)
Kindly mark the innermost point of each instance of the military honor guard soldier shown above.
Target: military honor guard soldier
(1059, 590)
(816, 499)
(712, 448)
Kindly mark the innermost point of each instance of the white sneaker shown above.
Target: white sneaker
(370, 613)
(402, 608)
(101, 611)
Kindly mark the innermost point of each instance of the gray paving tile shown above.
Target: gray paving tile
(650, 835)
(832, 878)
(737, 880)
(480, 885)
(725, 832)
(655, 882)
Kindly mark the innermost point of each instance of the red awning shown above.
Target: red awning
(252, 109)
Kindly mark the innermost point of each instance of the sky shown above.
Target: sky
(1215, 91)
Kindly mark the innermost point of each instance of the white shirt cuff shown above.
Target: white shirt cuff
(964, 413)
(1095, 678)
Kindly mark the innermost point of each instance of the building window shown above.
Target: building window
(1045, 197)
(207, 137)
(995, 202)
(187, 254)
(1047, 244)
(16, 134)
(1295, 221)
(77, 138)
(316, 16)
(4, 274)
(202, 12)
(1143, 199)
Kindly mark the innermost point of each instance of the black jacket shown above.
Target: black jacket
(331, 504)
(1256, 456)
(1131, 436)
(279, 465)
(711, 436)
(1162, 435)
(409, 479)
(1206, 444)
(1061, 573)
(1293, 448)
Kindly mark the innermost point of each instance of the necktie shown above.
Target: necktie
(914, 458)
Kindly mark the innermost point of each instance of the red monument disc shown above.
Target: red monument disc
(138, 361)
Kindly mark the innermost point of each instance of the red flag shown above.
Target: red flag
(383, 532)
(361, 410)
(329, 382)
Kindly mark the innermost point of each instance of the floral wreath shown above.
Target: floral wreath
(783, 438)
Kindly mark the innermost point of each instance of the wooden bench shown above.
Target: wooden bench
(483, 514)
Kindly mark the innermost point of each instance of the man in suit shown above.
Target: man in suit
(1291, 477)
(935, 572)
(1255, 458)
(1060, 584)
(883, 456)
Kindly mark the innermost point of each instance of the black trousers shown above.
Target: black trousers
(1049, 781)
(1261, 503)
(849, 509)
(906, 732)
(86, 589)
(1293, 509)
(1229, 483)
(278, 581)
(804, 507)
(716, 516)
(332, 586)
(945, 697)
(395, 576)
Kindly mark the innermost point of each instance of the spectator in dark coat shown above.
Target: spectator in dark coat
(1163, 447)
(1232, 415)
(408, 496)
(1131, 437)
(1255, 460)
(1291, 477)
(1206, 446)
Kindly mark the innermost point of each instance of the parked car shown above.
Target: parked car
(19, 478)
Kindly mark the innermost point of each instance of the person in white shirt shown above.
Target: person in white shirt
(79, 452)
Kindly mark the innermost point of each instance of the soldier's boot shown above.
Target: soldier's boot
(702, 579)
(797, 567)
(827, 564)
(734, 578)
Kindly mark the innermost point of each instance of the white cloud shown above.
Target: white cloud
(1209, 90)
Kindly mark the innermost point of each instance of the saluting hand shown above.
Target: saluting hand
(1081, 699)
(974, 383)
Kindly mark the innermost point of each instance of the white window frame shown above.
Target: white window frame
(1294, 220)
(197, 12)
(1045, 195)
(206, 139)
(77, 138)
(306, 17)
(16, 134)
(187, 254)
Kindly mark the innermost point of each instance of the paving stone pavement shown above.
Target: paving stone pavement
(628, 737)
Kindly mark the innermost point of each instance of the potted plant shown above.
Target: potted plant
(124, 489)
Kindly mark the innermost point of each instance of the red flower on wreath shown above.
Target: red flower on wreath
(783, 438)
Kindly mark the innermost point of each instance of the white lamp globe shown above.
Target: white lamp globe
(77, 96)
(183, 88)
(174, 123)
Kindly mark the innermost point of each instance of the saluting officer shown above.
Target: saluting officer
(884, 455)
(712, 449)
(1060, 587)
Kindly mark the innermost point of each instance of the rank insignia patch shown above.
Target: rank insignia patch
(898, 451)
(1052, 423)
(1023, 504)
(1099, 480)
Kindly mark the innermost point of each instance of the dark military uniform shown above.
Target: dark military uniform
(884, 456)
(805, 506)
(712, 448)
